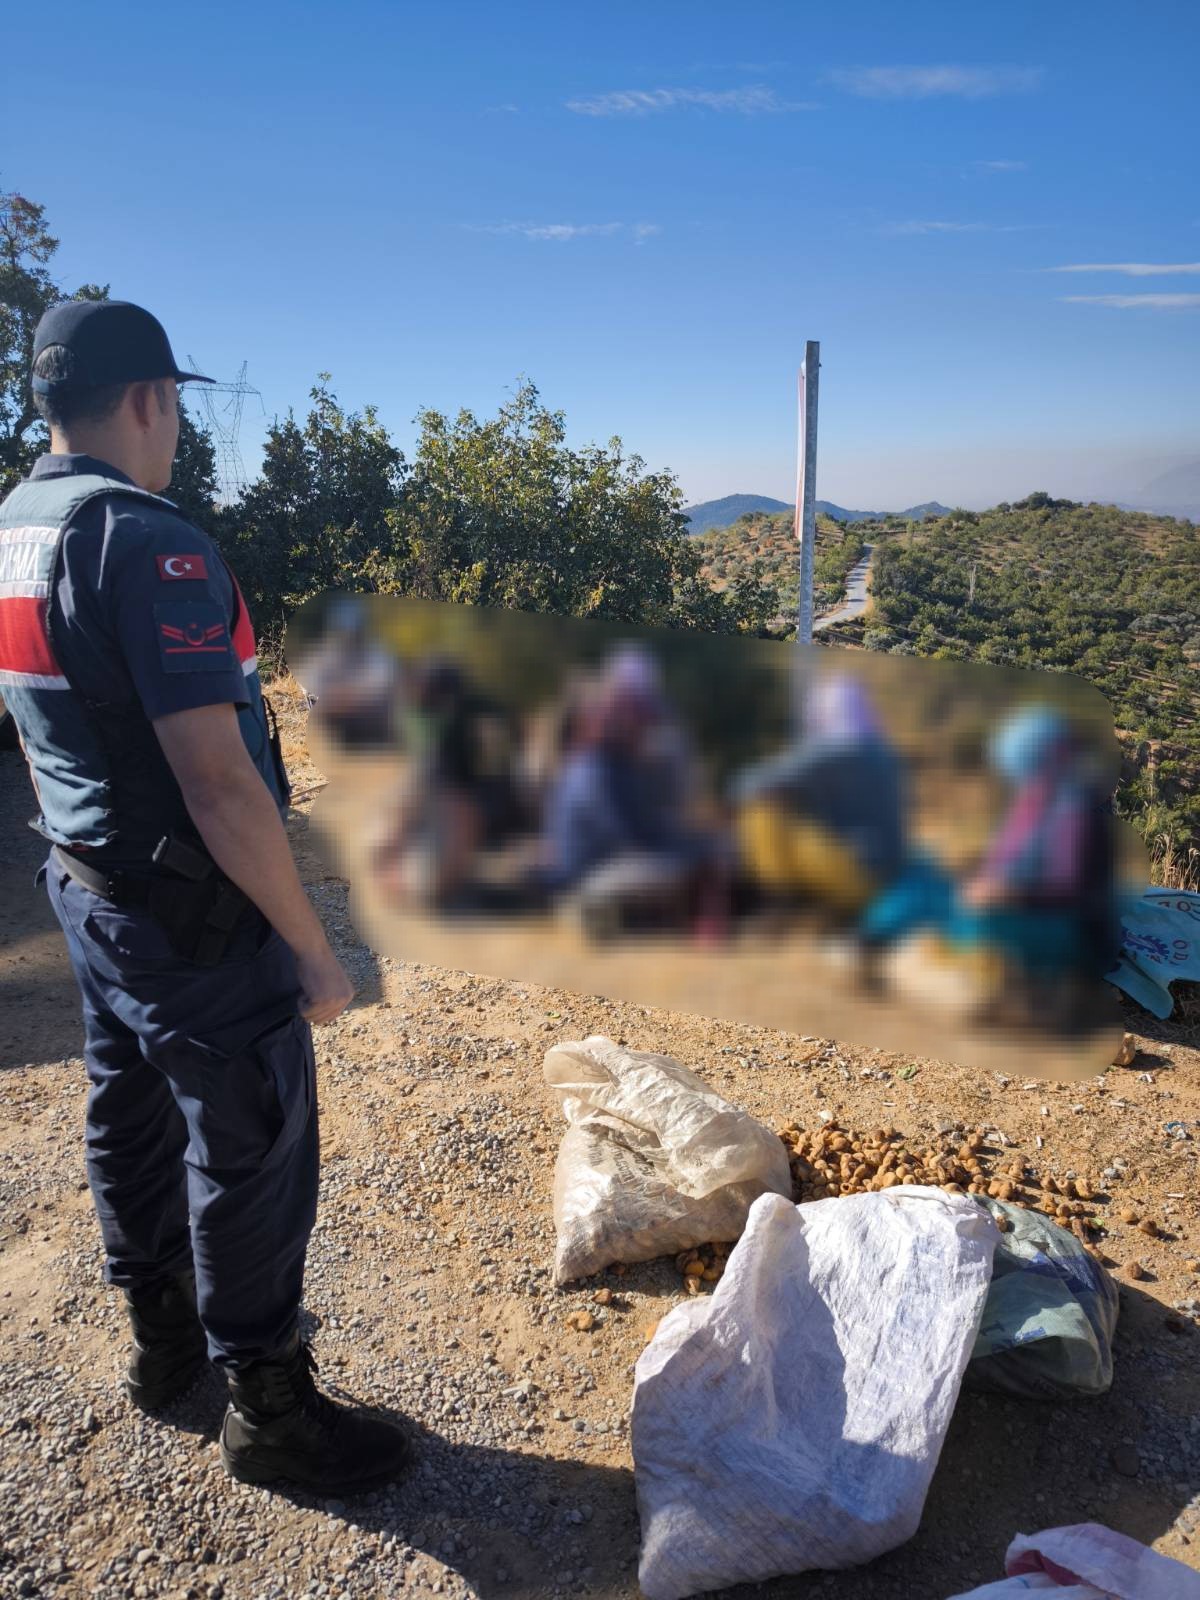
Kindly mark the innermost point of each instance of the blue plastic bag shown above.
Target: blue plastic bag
(1049, 1317)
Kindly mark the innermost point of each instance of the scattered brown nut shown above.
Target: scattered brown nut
(1149, 1227)
(1129, 1216)
(603, 1297)
(581, 1321)
(1127, 1053)
(1135, 1270)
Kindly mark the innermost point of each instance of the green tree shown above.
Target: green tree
(27, 290)
(504, 512)
(194, 474)
(317, 518)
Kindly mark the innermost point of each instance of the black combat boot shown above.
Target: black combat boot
(169, 1349)
(280, 1425)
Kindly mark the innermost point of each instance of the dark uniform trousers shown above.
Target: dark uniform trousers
(202, 1115)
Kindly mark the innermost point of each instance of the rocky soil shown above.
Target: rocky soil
(430, 1294)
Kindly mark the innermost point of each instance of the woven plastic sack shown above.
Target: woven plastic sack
(794, 1419)
(1088, 1562)
(653, 1161)
(1051, 1312)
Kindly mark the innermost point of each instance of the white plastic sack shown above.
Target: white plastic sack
(653, 1162)
(1088, 1562)
(793, 1421)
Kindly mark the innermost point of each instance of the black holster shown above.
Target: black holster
(199, 919)
(194, 903)
(197, 907)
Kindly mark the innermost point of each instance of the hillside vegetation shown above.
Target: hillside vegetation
(1111, 595)
(762, 549)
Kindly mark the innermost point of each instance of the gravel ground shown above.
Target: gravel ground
(430, 1294)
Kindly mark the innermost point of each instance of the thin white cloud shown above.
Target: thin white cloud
(1137, 302)
(565, 232)
(1135, 269)
(927, 83)
(1002, 166)
(918, 227)
(754, 100)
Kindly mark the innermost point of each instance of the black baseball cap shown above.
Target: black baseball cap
(110, 341)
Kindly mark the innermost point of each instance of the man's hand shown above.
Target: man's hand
(326, 991)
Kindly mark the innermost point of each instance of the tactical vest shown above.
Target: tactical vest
(102, 780)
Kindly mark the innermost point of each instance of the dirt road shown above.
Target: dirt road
(429, 1293)
(858, 583)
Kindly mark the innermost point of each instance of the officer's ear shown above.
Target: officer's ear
(144, 401)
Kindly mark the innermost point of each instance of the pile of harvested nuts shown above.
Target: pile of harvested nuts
(833, 1160)
(703, 1265)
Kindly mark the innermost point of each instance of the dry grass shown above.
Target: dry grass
(291, 709)
(1171, 867)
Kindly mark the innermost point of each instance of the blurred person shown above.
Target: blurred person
(666, 753)
(459, 796)
(616, 827)
(1045, 891)
(1043, 899)
(351, 680)
(550, 737)
(825, 820)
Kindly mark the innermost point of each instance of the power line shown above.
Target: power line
(224, 423)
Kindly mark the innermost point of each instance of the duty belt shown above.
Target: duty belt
(197, 907)
(121, 888)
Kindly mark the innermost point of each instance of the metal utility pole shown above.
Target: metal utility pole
(806, 487)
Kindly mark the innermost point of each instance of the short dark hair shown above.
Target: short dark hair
(70, 406)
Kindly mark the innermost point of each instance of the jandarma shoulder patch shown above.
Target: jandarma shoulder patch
(193, 636)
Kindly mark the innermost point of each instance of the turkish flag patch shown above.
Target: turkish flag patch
(181, 567)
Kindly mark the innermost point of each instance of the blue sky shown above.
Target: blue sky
(647, 209)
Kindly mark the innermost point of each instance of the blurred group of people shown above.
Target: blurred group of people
(600, 803)
(831, 820)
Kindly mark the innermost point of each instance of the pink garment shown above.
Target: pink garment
(1110, 1562)
(1088, 1562)
(1039, 846)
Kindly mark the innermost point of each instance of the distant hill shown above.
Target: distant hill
(722, 513)
(1175, 492)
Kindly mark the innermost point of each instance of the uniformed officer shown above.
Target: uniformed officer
(127, 659)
